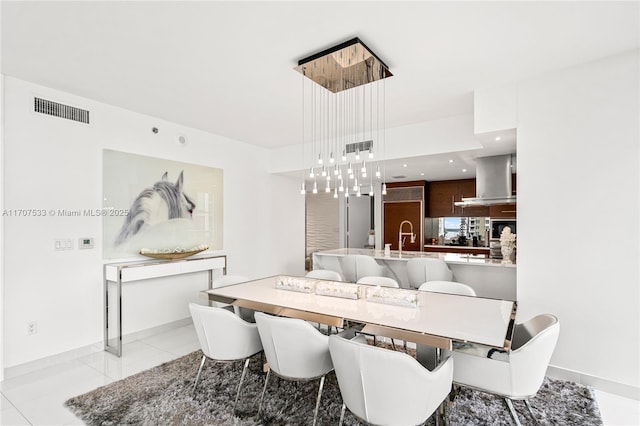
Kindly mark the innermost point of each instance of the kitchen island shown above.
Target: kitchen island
(430, 248)
(488, 277)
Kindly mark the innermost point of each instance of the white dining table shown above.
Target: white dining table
(436, 319)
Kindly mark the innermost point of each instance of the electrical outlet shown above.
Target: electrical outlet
(32, 327)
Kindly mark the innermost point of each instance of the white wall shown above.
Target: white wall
(1, 225)
(53, 163)
(444, 135)
(495, 109)
(578, 162)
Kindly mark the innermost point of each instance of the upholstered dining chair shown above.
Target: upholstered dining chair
(324, 274)
(520, 375)
(356, 266)
(421, 270)
(380, 281)
(224, 337)
(428, 355)
(450, 287)
(295, 350)
(384, 387)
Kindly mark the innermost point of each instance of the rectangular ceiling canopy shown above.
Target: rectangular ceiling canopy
(342, 67)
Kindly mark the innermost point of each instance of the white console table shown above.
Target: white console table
(117, 273)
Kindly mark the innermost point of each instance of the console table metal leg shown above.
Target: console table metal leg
(119, 349)
(116, 348)
(105, 282)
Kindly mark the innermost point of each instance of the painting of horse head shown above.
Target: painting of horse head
(157, 204)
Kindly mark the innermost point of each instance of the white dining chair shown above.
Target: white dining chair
(224, 337)
(520, 375)
(356, 266)
(449, 287)
(295, 350)
(324, 274)
(384, 387)
(379, 281)
(382, 282)
(421, 270)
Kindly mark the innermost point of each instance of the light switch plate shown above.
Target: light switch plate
(63, 244)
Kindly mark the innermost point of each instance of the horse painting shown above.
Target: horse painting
(163, 201)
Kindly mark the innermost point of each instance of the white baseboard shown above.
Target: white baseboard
(73, 354)
(605, 385)
(143, 334)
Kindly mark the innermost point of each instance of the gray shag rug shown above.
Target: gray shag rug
(163, 396)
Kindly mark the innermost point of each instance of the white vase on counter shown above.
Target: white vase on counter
(507, 252)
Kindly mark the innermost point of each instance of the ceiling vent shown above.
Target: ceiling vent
(359, 146)
(60, 110)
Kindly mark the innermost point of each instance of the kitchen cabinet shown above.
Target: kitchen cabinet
(404, 201)
(503, 211)
(397, 212)
(442, 195)
(441, 198)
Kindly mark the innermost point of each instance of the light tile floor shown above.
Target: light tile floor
(37, 398)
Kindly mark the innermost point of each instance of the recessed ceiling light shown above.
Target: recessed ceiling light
(451, 161)
(404, 165)
(498, 138)
(464, 170)
(421, 174)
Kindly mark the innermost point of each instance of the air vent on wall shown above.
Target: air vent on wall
(60, 110)
(359, 146)
(405, 193)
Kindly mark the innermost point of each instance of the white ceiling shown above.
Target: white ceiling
(227, 67)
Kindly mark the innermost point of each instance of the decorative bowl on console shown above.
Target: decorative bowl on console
(173, 253)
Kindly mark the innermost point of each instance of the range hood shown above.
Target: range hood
(493, 182)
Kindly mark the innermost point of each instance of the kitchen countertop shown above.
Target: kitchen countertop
(452, 258)
(488, 277)
(444, 246)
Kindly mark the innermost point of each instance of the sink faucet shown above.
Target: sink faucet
(401, 234)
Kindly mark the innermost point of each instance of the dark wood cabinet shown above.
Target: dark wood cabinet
(397, 212)
(404, 201)
(443, 194)
(503, 211)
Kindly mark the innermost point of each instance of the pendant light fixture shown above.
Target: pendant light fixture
(338, 115)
